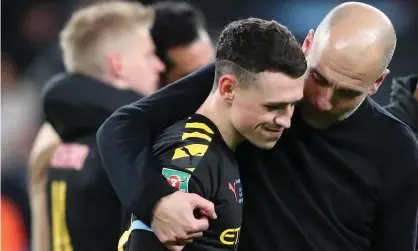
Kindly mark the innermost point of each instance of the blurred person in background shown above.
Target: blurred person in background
(39, 46)
(19, 107)
(8, 72)
(110, 61)
(32, 26)
(181, 39)
(193, 42)
(342, 177)
(13, 229)
(179, 33)
(404, 101)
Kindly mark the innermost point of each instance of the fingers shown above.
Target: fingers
(202, 213)
(199, 225)
(175, 247)
(184, 242)
(180, 243)
(203, 204)
(177, 224)
(195, 235)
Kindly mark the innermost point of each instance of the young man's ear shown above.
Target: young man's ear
(226, 86)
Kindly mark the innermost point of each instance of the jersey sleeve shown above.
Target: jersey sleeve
(126, 140)
(134, 240)
(192, 167)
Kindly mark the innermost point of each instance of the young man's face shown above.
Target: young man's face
(261, 110)
(140, 67)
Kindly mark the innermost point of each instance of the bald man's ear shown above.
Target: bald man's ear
(307, 44)
(379, 82)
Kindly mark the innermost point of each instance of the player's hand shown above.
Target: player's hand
(174, 222)
(416, 92)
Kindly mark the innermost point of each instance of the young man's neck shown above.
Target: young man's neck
(215, 109)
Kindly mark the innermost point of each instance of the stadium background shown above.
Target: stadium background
(29, 53)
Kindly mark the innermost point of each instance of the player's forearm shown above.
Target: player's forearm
(47, 140)
(126, 139)
(132, 169)
(40, 225)
(45, 144)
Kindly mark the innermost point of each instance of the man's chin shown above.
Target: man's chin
(265, 145)
(316, 121)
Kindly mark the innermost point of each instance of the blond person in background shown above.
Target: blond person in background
(110, 60)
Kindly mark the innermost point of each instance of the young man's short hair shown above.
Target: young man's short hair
(92, 30)
(250, 46)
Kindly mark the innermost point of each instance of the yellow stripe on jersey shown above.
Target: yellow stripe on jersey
(199, 135)
(60, 237)
(125, 236)
(197, 125)
(123, 239)
(193, 150)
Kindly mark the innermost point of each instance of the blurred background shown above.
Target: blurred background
(30, 55)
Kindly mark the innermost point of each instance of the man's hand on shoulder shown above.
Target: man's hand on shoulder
(174, 221)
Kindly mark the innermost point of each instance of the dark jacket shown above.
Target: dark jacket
(76, 106)
(403, 104)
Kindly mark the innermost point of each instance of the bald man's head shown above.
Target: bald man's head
(347, 58)
(363, 26)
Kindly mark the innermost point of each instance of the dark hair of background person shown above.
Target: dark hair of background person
(175, 24)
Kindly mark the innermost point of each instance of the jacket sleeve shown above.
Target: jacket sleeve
(395, 223)
(126, 139)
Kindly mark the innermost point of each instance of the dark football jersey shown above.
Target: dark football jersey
(195, 159)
